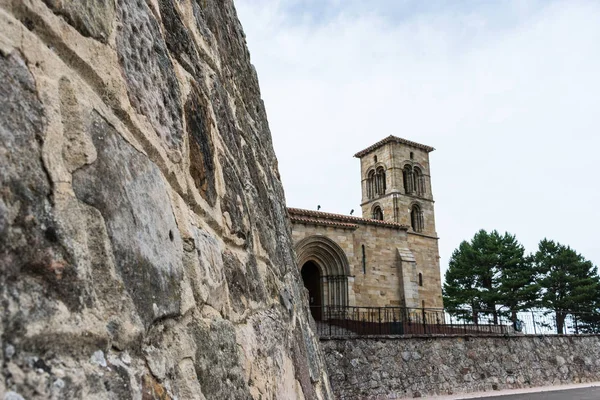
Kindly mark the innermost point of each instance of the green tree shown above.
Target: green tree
(469, 278)
(517, 287)
(569, 282)
(589, 322)
(489, 271)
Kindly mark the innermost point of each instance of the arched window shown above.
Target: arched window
(414, 180)
(416, 218)
(377, 213)
(420, 279)
(407, 179)
(380, 181)
(418, 181)
(371, 184)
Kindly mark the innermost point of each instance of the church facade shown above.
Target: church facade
(387, 257)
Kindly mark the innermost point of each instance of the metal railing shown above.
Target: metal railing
(357, 321)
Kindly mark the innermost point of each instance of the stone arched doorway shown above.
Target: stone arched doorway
(319, 254)
(311, 276)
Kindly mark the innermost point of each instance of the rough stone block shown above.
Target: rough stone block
(93, 18)
(151, 81)
(131, 195)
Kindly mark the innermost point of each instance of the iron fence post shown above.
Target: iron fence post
(424, 323)
(533, 321)
(496, 318)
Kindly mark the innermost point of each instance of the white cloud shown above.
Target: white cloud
(509, 94)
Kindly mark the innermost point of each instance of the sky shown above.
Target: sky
(508, 92)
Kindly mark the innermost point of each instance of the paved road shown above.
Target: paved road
(590, 393)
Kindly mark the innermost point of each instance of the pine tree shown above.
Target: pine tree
(469, 280)
(569, 282)
(589, 321)
(517, 288)
(488, 272)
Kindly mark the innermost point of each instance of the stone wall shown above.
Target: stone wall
(427, 258)
(391, 368)
(144, 246)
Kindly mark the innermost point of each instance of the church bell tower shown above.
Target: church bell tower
(396, 187)
(396, 184)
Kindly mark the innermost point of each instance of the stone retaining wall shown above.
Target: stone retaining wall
(145, 248)
(391, 368)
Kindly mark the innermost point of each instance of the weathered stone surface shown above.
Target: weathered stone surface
(211, 348)
(421, 367)
(233, 203)
(145, 250)
(94, 18)
(234, 55)
(244, 282)
(218, 364)
(205, 266)
(25, 186)
(30, 239)
(305, 352)
(129, 192)
(41, 284)
(151, 81)
(178, 38)
(202, 149)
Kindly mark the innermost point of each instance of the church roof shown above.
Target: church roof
(338, 220)
(393, 139)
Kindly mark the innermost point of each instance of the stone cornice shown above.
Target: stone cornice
(423, 235)
(393, 139)
(412, 196)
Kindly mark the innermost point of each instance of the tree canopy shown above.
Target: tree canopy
(491, 274)
(489, 271)
(569, 281)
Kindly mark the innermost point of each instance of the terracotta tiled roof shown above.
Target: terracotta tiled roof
(316, 221)
(390, 139)
(323, 218)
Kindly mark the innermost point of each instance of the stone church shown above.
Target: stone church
(390, 256)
